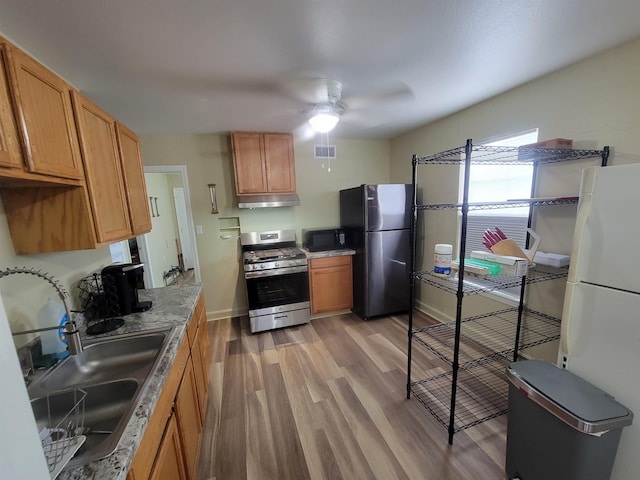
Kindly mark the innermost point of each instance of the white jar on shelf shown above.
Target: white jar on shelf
(442, 259)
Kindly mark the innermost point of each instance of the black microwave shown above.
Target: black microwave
(320, 239)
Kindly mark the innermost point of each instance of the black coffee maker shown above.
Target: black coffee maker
(120, 285)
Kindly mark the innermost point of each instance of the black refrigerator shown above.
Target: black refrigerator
(377, 224)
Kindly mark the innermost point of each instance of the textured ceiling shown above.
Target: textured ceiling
(187, 66)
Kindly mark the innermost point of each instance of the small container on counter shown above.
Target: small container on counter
(442, 259)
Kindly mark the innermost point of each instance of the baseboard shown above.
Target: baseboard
(433, 313)
(213, 316)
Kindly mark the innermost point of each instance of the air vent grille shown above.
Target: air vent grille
(325, 151)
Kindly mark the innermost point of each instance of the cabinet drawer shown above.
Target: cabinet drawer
(330, 261)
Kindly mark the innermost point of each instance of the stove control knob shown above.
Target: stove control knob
(262, 265)
(276, 265)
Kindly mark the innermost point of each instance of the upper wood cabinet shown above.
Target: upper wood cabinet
(54, 219)
(134, 182)
(264, 163)
(104, 177)
(76, 181)
(10, 152)
(44, 117)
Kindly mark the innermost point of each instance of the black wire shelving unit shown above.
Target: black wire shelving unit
(477, 349)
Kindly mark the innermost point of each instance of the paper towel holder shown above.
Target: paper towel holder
(212, 194)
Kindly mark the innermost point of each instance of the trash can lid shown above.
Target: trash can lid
(568, 396)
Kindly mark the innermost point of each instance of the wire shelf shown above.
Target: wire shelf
(475, 206)
(482, 394)
(476, 387)
(492, 155)
(488, 335)
(475, 285)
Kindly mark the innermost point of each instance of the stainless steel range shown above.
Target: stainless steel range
(276, 274)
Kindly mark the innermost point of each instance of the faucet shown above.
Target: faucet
(72, 334)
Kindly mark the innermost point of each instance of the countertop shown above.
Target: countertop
(328, 253)
(172, 307)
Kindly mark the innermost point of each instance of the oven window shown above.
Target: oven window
(266, 292)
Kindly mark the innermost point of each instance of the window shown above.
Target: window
(495, 183)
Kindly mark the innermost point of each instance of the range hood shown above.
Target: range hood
(268, 200)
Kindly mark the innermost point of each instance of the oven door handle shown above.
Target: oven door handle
(276, 271)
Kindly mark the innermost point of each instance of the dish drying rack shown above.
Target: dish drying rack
(62, 437)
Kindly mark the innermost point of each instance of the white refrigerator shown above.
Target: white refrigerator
(600, 339)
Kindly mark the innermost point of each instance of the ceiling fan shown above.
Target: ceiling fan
(326, 113)
(323, 96)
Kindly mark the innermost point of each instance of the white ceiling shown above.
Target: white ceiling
(211, 66)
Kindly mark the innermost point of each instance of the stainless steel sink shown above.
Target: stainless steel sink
(129, 356)
(113, 372)
(107, 407)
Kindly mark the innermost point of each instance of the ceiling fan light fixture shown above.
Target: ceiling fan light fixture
(324, 118)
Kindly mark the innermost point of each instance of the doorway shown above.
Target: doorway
(183, 228)
(161, 250)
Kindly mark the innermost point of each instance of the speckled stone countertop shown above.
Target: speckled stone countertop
(172, 307)
(328, 253)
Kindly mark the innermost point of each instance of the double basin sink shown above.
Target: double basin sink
(113, 372)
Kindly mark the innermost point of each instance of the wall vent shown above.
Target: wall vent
(325, 151)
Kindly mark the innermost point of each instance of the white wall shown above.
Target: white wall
(21, 454)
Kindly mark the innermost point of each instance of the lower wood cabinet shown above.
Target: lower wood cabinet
(170, 447)
(170, 464)
(198, 335)
(331, 284)
(189, 420)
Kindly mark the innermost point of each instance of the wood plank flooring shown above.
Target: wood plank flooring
(327, 400)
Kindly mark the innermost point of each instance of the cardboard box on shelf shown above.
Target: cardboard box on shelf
(515, 266)
(553, 143)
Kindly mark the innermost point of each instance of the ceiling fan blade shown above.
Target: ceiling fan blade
(394, 93)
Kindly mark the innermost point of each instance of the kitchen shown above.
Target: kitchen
(554, 103)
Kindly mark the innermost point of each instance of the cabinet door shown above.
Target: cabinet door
(331, 284)
(134, 179)
(169, 463)
(103, 170)
(189, 422)
(205, 342)
(45, 118)
(279, 163)
(10, 153)
(202, 386)
(248, 160)
(203, 338)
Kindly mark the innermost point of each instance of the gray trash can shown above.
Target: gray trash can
(559, 425)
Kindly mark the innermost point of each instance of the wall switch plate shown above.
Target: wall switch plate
(198, 229)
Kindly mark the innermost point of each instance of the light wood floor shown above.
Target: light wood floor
(328, 401)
